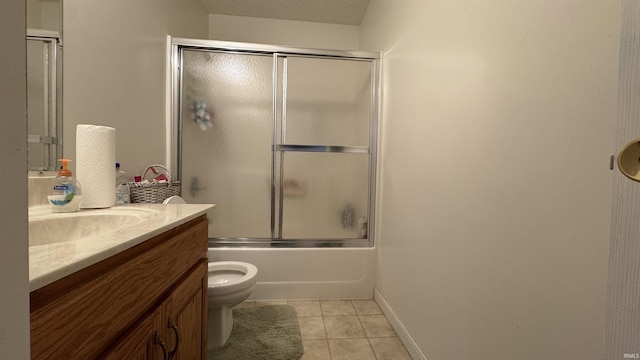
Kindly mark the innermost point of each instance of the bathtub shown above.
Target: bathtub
(316, 273)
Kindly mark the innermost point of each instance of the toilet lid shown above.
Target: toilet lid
(174, 200)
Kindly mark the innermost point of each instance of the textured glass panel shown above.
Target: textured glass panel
(226, 139)
(38, 156)
(325, 195)
(328, 101)
(38, 101)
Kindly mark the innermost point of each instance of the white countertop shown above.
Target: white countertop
(51, 262)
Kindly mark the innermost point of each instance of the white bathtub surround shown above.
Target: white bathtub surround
(51, 261)
(315, 273)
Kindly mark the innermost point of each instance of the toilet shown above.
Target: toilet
(230, 283)
(174, 200)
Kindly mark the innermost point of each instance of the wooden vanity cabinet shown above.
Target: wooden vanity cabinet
(131, 305)
(139, 343)
(178, 317)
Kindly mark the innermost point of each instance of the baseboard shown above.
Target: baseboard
(402, 332)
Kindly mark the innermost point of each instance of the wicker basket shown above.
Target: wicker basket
(153, 192)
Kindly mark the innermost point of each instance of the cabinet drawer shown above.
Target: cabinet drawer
(79, 316)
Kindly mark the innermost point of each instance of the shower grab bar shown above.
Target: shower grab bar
(322, 148)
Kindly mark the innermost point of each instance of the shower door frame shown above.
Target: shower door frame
(178, 45)
(52, 129)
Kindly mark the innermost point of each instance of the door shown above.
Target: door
(143, 342)
(226, 139)
(323, 154)
(282, 142)
(186, 316)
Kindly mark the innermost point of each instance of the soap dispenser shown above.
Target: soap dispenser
(64, 194)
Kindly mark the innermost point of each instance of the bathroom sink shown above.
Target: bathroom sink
(50, 228)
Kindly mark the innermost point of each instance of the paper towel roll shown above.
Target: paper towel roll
(95, 165)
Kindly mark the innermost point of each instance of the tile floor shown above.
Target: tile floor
(343, 329)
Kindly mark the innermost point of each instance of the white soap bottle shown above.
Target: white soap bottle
(122, 186)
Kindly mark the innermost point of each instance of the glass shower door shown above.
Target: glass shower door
(282, 142)
(226, 139)
(42, 110)
(323, 159)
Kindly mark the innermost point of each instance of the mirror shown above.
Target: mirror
(44, 83)
(629, 160)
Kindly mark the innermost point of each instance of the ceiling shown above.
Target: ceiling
(347, 12)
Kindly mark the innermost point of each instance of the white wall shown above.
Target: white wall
(34, 14)
(497, 125)
(114, 70)
(44, 14)
(14, 261)
(283, 32)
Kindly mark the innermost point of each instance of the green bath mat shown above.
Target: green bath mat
(262, 333)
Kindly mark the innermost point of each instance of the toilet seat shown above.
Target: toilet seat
(224, 277)
(230, 276)
(174, 200)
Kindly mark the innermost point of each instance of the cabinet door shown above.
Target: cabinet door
(141, 342)
(186, 312)
(176, 330)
